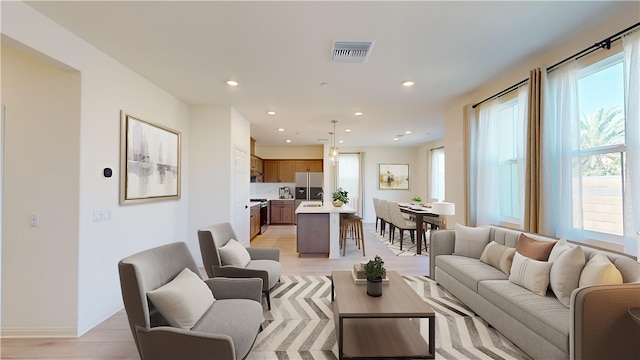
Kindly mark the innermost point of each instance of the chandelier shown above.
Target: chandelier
(333, 152)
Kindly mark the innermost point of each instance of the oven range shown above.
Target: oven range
(264, 214)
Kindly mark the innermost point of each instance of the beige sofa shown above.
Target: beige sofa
(596, 324)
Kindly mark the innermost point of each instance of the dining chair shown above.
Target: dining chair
(386, 217)
(401, 223)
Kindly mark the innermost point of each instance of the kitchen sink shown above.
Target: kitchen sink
(312, 205)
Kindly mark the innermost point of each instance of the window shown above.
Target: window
(349, 178)
(600, 157)
(437, 174)
(508, 179)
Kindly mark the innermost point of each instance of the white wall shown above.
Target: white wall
(289, 152)
(373, 156)
(40, 268)
(453, 117)
(106, 88)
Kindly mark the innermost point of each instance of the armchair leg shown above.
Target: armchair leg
(268, 296)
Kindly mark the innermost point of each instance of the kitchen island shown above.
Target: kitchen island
(318, 229)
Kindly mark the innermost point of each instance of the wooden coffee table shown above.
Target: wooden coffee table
(380, 327)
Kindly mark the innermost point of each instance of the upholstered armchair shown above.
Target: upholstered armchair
(194, 319)
(225, 258)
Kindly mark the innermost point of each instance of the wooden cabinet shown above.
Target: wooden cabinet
(257, 166)
(254, 221)
(279, 171)
(309, 165)
(282, 212)
(312, 235)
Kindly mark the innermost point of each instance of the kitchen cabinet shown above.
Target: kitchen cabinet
(254, 221)
(257, 165)
(309, 165)
(282, 212)
(279, 171)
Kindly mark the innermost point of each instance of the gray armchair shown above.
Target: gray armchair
(227, 330)
(264, 264)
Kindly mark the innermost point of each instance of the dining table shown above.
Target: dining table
(422, 214)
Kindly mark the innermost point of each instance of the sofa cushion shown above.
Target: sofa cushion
(561, 246)
(470, 241)
(233, 253)
(600, 271)
(183, 300)
(534, 249)
(498, 256)
(240, 319)
(544, 315)
(467, 270)
(565, 273)
(530, 274)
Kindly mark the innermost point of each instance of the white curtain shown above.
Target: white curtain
(484, 160)
(631, 206)
(437, 174)
(561, 140)
(485, 167)
(349, 178)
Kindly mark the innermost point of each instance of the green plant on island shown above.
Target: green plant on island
(374, 269)
(416, 199)
(341, 194)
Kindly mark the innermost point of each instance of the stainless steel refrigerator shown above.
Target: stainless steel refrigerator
(308, 187)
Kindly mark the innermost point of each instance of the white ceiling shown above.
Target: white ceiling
(280, 53)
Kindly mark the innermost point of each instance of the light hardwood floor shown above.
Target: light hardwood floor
(112, 339)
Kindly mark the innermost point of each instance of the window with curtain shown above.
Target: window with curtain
(498, 159)
(592, 134)
(437, 174)
(349, 178)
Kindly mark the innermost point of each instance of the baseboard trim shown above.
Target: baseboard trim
(7, 333)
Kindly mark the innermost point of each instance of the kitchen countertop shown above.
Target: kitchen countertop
(316, 207)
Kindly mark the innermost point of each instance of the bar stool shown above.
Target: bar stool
(352, 224)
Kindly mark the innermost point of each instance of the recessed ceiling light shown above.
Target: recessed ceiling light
(347, 130)
(341, 141)
(280, 129)
(408, 83)
(232, 83)
(396, 139)
(407, 132)
(324, 84)
(288, 140)
(271, 113)
(358, 113)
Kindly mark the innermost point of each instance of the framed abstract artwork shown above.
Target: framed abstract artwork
(393, 177)
(149, 161)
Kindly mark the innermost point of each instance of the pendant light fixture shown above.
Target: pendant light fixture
(333, 152)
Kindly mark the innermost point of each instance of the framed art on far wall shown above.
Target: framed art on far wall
(149, 161)
(393, 177)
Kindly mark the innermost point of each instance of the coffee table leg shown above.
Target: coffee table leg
(332, 293)
(432, 336)
(340, 338)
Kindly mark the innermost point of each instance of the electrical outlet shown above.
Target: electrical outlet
(101, 215)
(34, 219)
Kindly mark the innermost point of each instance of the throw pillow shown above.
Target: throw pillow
(534, 249)
(530, 274)
(560, 246)
(471, 241)
(233, 253)
(565, 273)
(183, 300)
(600, 271)
(498, 256)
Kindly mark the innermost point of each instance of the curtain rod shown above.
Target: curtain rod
(604, 44)
(438, 148)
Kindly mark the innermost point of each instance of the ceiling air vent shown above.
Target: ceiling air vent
(351, 51)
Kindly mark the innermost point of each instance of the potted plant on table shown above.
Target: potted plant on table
(375, 272)
(416, 200)
(340, 197)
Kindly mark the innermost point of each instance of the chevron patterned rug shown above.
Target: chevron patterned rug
(408, 248)
(300, 324)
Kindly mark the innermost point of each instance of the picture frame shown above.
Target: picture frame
(150, 168)
(393, 177)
